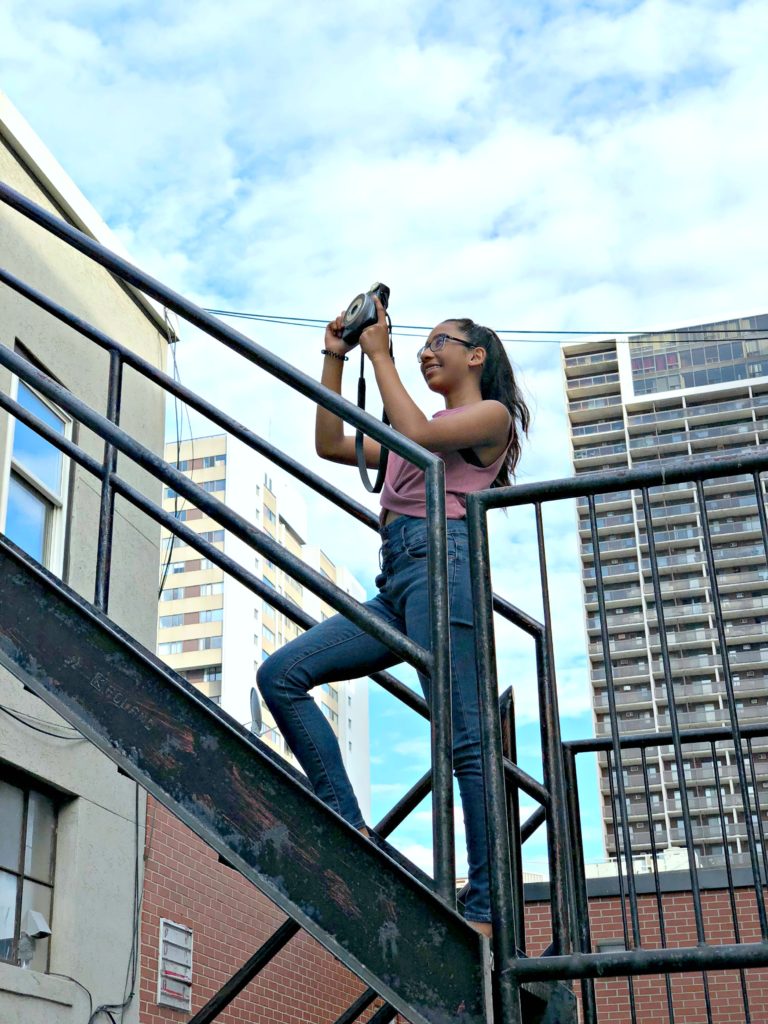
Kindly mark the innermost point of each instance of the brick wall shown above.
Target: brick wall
(688, 990)
(304, 984)
(230, 919)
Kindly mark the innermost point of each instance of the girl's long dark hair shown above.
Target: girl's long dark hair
(498, 382)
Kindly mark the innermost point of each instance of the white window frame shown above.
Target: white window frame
(55, 529)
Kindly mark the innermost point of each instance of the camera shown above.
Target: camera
(361, 313)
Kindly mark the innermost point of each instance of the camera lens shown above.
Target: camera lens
(354, 308)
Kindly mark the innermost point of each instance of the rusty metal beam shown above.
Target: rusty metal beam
(214, 776)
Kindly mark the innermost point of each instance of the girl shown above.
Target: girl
(478, 436)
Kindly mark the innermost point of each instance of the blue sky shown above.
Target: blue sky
(557, 165)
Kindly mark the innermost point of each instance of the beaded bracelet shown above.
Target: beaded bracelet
(335, 355)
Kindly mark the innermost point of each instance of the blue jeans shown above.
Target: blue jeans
(338, 649)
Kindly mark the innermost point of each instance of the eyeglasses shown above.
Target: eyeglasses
(437, 344)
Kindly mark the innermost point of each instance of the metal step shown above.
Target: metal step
(217, 778)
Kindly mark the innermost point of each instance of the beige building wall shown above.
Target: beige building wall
(249, 629)
(99, 835)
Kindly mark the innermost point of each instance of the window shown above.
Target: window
(267, 634)
(169, 621)
(208, 589)
(37, 487)
(212, 615)
(176, 647)
(209, 643)
(174, 594)
(27, 843)
(212, 675)
(269, 515)
(213, 485)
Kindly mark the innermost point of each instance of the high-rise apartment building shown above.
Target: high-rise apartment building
(214, 631)
(663, 396)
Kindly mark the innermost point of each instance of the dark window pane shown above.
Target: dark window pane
(26, 518)
(8, 891)
(11, 817)
(41, 823)
(36, 897)
(30, 450)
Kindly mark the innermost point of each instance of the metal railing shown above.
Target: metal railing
(434, 662)
(577, 958)
(557, 796)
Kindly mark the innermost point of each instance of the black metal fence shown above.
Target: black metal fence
(435, 663)
(654, 784)
(557, 794)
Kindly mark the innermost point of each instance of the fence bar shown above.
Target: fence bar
(505, 940)
(731, 698)
(560, 847)
(383, 1015)
(729, 875)
(582, 939)
(509, 747)
(656, 884)
(619, 963)
(107, 502)
(359, 1006)
(533, 823)
(606, 481)
(439, 686)
(758, 815)
(714, 734)
(672, 711)
(622, 891)
(194, 401)
(614, 719)
(235, 985)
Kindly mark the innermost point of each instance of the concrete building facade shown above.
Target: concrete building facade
(72, 828)
(701, 390)
(215, 631)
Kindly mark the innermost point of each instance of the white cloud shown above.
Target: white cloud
(561, 166)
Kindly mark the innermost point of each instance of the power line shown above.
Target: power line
(636, 336)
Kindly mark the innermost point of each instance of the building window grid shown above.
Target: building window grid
(727, 551)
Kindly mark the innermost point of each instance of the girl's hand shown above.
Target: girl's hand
(332, 339)
(374, 340)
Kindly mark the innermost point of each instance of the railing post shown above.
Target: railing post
(582, 938)
(559, 842)
(441, 732)
(509, 749)
(503, 915)
(107, 503)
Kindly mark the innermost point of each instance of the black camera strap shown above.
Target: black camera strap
(376, 486)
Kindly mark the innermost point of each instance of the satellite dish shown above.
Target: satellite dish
(256, 719)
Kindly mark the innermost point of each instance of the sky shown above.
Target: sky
(556, 166)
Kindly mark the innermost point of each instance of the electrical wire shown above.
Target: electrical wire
(173, 338)
(129, 988)
(631, 337)
(46, 732)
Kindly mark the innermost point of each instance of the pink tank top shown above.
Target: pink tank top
(404, 490)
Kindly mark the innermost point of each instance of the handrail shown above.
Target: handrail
(606, 481)
(212, 326)
(217, 510)
(195, 401)
(437, 663)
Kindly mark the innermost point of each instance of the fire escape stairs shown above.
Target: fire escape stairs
(361, 900)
